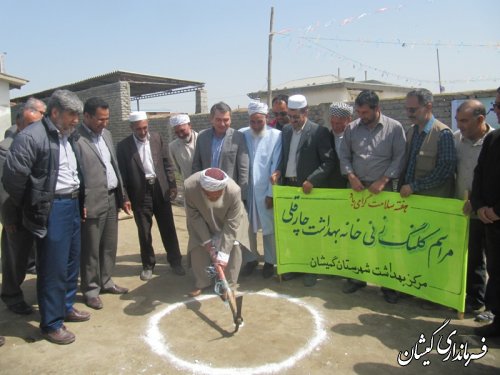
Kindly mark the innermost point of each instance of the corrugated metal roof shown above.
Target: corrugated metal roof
(140, 84)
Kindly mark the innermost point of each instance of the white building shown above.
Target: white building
(330, 88)
(7, 83)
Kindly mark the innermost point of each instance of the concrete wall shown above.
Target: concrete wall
(118, 97)
(5, 112)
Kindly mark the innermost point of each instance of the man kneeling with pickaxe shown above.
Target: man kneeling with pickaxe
(217, 224)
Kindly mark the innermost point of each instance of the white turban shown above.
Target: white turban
(257, 107)
(137, 116)
(297, 102)
(179, 120)
(211, 184)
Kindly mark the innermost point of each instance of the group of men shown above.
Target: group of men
(65, 187)
(374, 152)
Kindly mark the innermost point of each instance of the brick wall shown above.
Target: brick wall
(118, 97)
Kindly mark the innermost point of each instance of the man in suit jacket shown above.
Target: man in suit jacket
(307, 153)
(104, 196)
(149, 180)
(217, 224)
(306, 156)
(340, 117)
(223, 147)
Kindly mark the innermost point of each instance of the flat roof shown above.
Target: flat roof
(142, 86)
(14, 82)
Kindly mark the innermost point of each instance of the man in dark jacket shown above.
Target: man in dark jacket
(485, 201)
(41, 176)
(149, 180)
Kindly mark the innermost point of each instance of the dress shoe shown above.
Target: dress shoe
(485, 317)
(430, 306)
(146, 275)
(178, 269)
(77, 316)
(288, 276)
(390, 296)
(473, 308)
(94, 303)
(196, 292)
(249, 268)
(60, 336)
(309, 279)
(267, 270)
(21, 308)
(352, 286)
(115, 289)
(490, 330)
(2, 340)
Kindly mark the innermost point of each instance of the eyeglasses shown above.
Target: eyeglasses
(282, 114)
(412, 110)
(294, 117)
(497, 105)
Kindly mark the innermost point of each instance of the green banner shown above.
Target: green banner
(416, 245)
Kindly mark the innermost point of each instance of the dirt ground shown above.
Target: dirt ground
(289, 329)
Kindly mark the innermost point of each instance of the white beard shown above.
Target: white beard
(187, 140)
(213, 205)
(258, 135)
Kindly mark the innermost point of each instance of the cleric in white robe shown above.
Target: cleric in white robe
(264, 148)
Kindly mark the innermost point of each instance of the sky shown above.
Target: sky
(224, 43)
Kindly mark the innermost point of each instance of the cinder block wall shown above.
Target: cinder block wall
(118, 97)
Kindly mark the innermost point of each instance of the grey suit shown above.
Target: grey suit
(100, 228)
(233, 159)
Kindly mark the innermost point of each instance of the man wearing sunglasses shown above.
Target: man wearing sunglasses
(280, 112)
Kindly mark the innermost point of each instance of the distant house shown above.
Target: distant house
(330, 88)
(7, 83)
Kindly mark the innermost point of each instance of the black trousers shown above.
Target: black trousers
(476, 263)
(154, 204)
(16, 248)
(493, 267)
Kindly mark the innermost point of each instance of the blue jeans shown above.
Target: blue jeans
(58, 263)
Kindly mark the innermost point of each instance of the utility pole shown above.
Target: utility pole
(441, 88)
(270, 59)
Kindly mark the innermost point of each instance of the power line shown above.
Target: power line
(383, 72)
(403, 43)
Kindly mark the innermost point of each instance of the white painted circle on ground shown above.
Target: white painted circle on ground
(159, 345)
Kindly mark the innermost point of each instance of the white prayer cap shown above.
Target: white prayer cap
(257, 107)
(213, 179)
(179, 120)
(137, 116)
(297, 102)
(342, 110)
